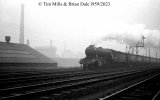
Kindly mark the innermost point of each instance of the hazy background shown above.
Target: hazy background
(72, 29)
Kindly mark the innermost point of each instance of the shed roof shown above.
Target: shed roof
(21, 53)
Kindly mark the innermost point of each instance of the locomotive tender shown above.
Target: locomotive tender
(100, 57)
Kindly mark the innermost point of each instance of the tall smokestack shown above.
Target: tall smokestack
(50, 43)
(28, 42)
(21, 38)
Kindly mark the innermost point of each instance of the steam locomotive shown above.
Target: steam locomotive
(100, 57)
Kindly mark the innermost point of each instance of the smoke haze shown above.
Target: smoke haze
(124, 22)
(133, 34)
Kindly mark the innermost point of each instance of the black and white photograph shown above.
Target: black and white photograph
(79, 49)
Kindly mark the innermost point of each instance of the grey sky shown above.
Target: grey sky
(149, 15)
(78, 27)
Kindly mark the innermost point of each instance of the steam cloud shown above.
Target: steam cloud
(121, 38)
(133, 35)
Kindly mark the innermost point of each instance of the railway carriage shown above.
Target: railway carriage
(100, 57)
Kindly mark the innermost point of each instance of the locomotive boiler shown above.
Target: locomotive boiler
(100, 57)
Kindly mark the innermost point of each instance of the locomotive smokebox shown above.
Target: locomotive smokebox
(90, 51)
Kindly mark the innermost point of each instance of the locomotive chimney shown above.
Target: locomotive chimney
(7, 38)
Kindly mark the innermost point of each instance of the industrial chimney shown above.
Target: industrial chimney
(50, 43)
(21, 37)
(28, 42)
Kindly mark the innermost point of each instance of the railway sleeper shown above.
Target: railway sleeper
(68, 94)
(129, 98)
(137, 95)
(144, 91)
(75, 93)
(94, 88)
(45, 98)
(104, 85)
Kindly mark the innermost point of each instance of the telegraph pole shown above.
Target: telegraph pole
(156, 56)
(146, 54)
(149, 56)
(126, 49)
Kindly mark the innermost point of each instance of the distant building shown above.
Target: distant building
(49, 51)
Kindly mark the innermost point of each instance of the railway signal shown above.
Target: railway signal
(139, 44)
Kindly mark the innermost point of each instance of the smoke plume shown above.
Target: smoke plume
(133, 35)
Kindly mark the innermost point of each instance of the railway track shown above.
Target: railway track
(148, 89)
(12, 82)
(23, 73)
(46, 77)
(12, 74)
(64, 87)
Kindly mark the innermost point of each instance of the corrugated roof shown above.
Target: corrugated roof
(21, 53)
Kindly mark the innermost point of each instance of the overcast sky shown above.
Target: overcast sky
(76, 27)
